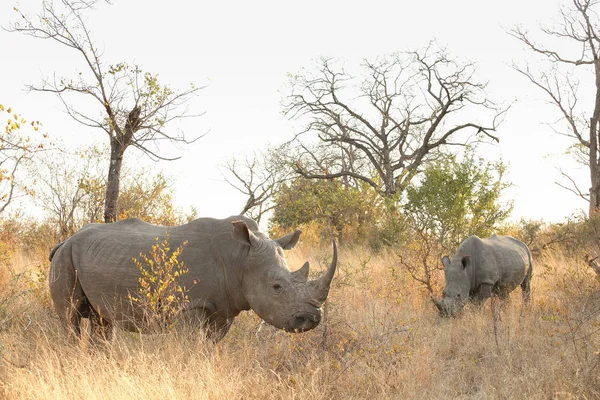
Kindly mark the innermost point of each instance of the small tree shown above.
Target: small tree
(134, 108)
(16, 147)
(458, 198)
(335, 209)
(161, 295)
(149, 197)
(68, 188)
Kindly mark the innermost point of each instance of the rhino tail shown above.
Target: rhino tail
(53, 251)
(526, 284)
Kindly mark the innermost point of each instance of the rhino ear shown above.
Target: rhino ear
(466, 260)
(242, 234)
(446, 261)
(289, 241)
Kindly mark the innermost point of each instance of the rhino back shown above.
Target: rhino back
(510, 257)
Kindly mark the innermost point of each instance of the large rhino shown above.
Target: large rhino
(232, 267)
(482, 267)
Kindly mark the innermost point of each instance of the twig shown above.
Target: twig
(262, 322)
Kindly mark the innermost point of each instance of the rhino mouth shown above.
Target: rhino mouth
(449, 308)
(303, 321)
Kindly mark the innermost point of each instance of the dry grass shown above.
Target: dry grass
(382, 339)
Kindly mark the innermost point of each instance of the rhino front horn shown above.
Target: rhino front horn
(322, 284)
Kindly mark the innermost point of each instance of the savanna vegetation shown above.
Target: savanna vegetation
(382, 338)
(390, 171)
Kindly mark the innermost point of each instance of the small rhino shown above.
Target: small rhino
(482, 267)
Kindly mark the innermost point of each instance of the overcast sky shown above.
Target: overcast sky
(243, 51)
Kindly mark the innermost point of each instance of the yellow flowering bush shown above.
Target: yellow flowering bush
(161, 295)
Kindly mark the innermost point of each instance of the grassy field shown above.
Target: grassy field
(382, 339)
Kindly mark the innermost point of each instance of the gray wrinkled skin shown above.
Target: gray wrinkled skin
(232, 267)
(482, 267)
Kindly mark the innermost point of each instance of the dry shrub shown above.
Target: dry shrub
(12, 291)
(37, 239)
(15, 276)
(382, 338)
(9, 238)
(160, 295)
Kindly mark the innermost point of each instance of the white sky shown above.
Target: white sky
(244, 51)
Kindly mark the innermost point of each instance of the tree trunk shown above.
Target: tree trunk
(113, 181)
(593, 173)
(594, 168)
(118, 144)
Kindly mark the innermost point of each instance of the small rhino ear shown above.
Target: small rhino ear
(289, 241)
(242, 234)
(466, 260)
(446, 261)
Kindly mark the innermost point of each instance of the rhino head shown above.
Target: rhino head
(284, 299)
(458, 284)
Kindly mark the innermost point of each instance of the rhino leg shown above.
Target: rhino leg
(526, 288)
(70, 302)
(101, 329)
(216, 332)
(483, 293)
(502, 295)
(204, 317)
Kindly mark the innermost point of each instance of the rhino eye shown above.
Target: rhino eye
(277, 287)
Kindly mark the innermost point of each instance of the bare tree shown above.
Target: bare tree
(135, 109)
(258, 178)
(380, 130)
(578, 25)
(68, 188)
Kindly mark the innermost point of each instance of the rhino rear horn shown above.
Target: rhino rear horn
(446, 261)
(301, 275)
(322, 284)
(438, 304)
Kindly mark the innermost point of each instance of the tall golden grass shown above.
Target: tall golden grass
(382, 339)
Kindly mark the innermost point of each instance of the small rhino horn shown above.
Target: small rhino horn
(301, 275)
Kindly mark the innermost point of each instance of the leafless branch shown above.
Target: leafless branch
(258, 178)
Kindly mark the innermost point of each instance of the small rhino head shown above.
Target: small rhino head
(284, 299)
(456, 293)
